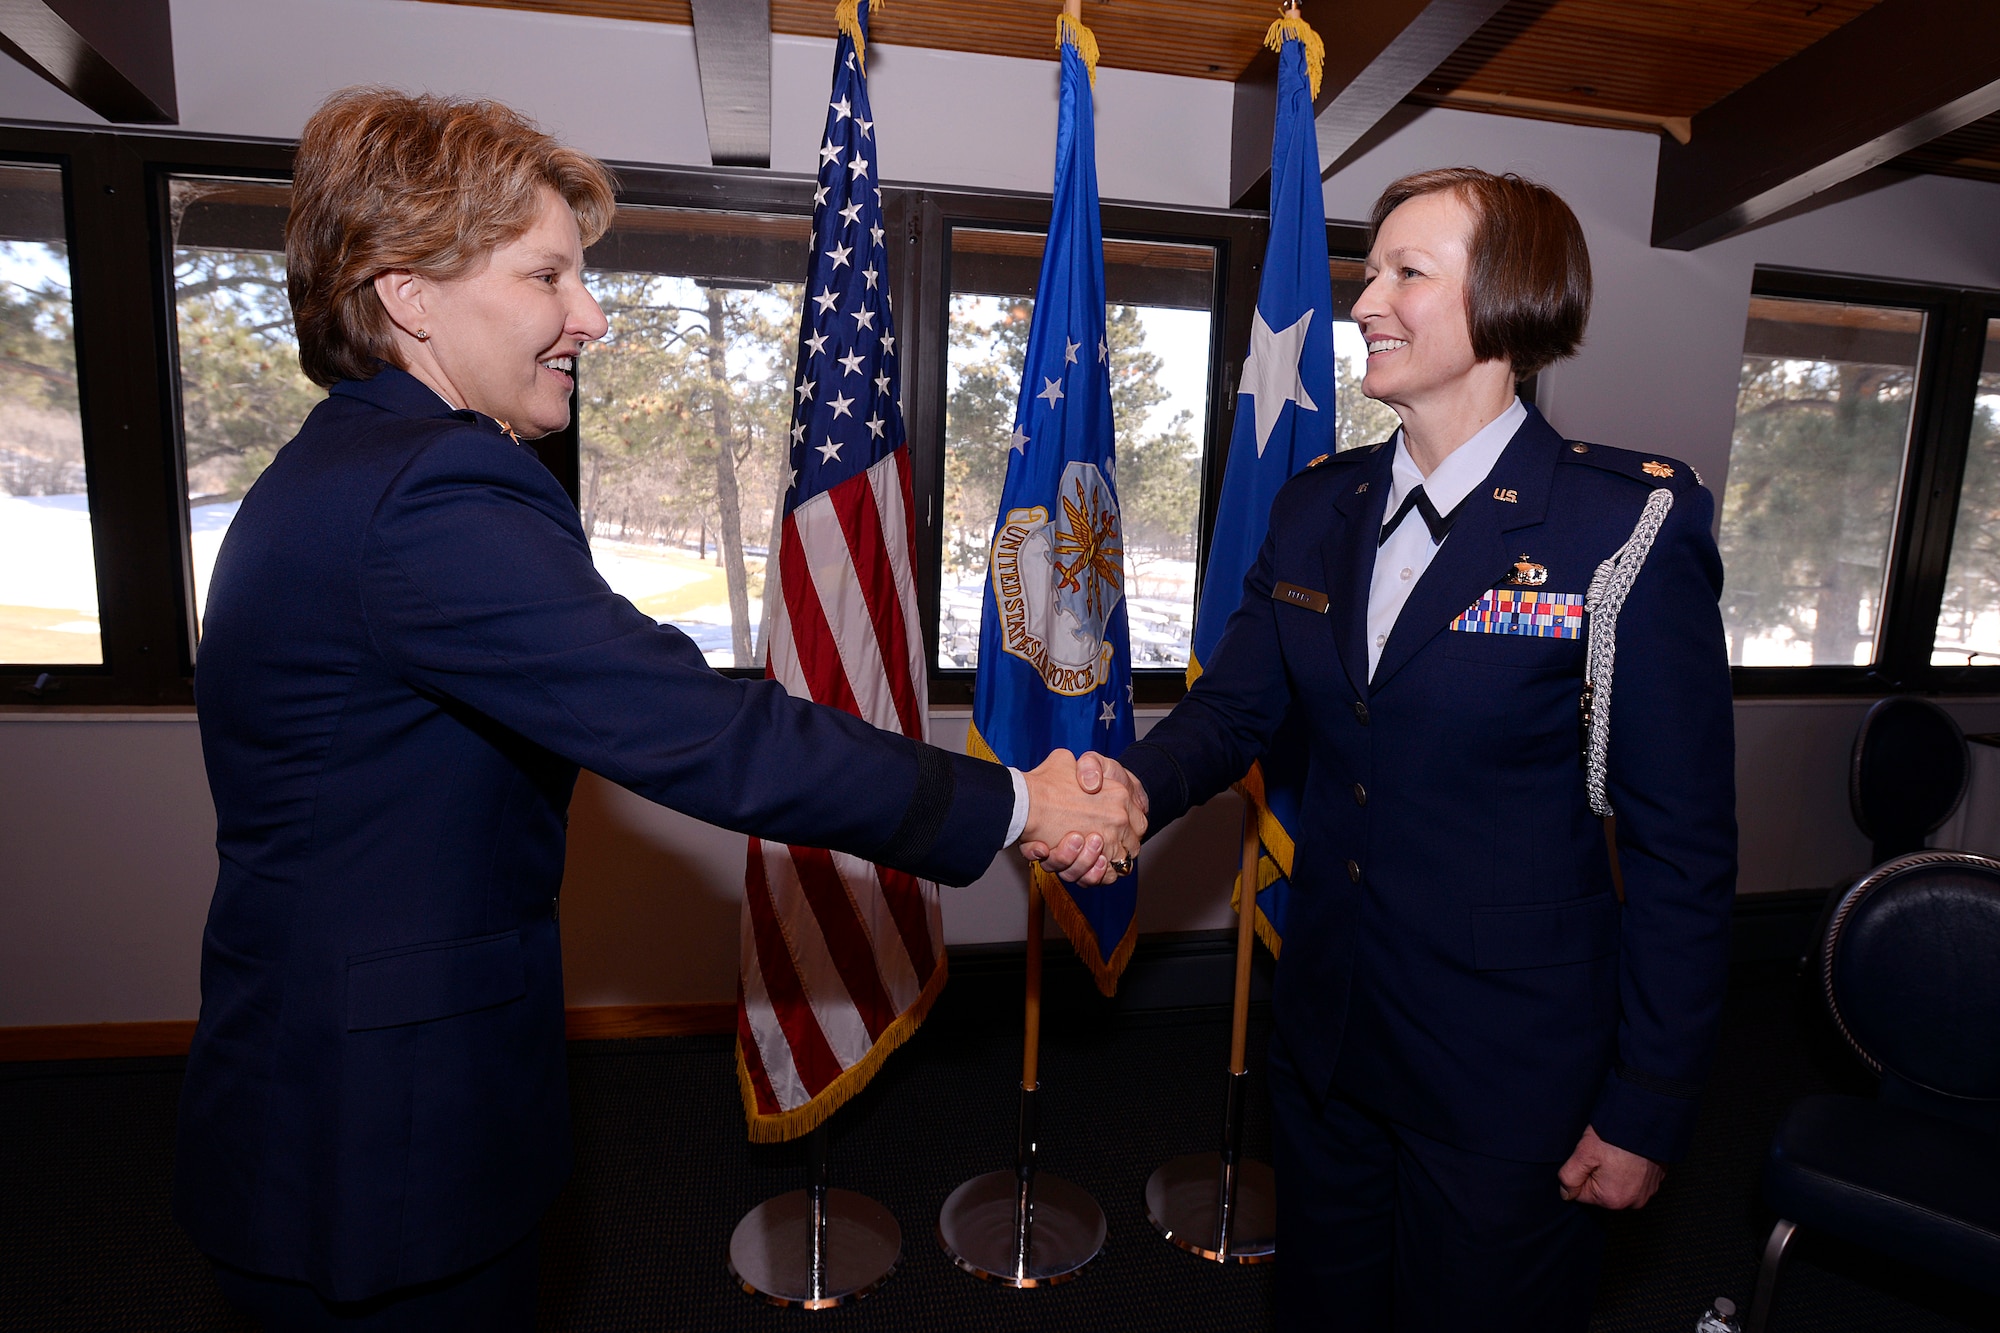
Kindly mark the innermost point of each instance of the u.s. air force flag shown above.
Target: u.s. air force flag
(1284, 420)
(1054, 659)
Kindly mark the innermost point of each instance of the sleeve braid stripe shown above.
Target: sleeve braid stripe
(930, 806)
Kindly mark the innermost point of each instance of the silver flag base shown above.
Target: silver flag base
(1184, 1202)
(977, 1227)
(771, 1252)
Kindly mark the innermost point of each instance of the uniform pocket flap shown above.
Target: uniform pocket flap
(1544, 934)
(421, 982)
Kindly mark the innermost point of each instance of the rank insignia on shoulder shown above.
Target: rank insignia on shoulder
(1540, 615)
(1527, 574)
(1653, 467)
(1317, 461)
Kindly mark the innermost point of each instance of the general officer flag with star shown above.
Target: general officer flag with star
(1284, 421)
(1055, 666)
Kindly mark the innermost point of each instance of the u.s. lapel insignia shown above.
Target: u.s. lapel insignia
(1653, 467)
(1527, 574)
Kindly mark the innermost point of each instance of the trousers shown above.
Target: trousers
(1384, 1230)
(497, 1296)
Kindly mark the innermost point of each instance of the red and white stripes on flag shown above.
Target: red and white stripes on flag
(840, 958)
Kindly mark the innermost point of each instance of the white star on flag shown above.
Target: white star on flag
(882, 386)
(827, 300)
(819, 195)
(864, 319)
(852, 361)
(870, 274)
(850, 214)
(1103, 348)
(865, 126)
(1051, 390)
(805, 390)
(817, 342)
(888, 345)
(877, 233)
(859, 166)
(829, 152)
(841, 406)
(1271, 374)
(839, 253)
(1017, 443)
(1069, 352)
(1108, 714)
(840, 108)
(799, 434)
(827, 452)
(875, 424)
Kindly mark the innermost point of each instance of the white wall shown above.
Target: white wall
(106, 833)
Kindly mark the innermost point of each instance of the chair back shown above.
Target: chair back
(1910, 969)
(1909, 771)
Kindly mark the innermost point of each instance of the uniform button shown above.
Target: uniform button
(1360, 794)
(1354, 871)
(1406, 575)
(1579, 448)
(1381, 639)
(1361, 712)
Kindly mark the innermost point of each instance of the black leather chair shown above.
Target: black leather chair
(1909, 772)
(1909, 967)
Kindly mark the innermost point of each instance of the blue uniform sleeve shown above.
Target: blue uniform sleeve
(1227, 718)
(1671, 783)
(479, 589)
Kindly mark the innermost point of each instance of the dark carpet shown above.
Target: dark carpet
(663, 1172)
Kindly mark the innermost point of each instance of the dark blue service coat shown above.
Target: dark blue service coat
(407, 656)
(1455, 956)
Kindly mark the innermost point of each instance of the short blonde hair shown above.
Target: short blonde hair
(385, 180)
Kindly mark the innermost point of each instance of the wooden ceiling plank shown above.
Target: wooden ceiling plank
(1385, 48)
(732, 54)
(114, 56)
(1900, 75)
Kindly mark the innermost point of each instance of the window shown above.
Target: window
(1968, 632)
(684, 415)
(1824, 407)
(48, 564)
(1160, 330)
(242, 394)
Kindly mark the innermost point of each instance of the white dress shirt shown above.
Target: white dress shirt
(1402, 560)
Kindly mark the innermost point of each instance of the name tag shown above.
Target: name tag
(1544, 615)
(1297, 596)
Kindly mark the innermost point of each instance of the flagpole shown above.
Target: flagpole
(1222, 1205)
(1021, 1227)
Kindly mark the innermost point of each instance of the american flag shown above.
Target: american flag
(840, 958)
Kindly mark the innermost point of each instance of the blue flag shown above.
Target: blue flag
(1284, 422)
(1055, 667)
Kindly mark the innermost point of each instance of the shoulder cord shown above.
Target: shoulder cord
(1608, 589)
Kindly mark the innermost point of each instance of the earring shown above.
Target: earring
(423, 335)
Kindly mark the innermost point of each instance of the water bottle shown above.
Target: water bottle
(1720, 1318)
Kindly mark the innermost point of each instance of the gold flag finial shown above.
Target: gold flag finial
(1291, 25)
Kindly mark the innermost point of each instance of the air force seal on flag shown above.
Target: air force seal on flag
(1055, 582)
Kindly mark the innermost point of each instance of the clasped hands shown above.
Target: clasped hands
(1086, 817)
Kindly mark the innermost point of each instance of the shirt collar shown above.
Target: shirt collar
(1462, 470)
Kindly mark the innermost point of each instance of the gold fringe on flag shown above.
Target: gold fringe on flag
(790, 1124)
(1291, 25)
(1075, 34)
(847, 15)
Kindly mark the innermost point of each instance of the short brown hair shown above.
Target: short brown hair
(1527, 297)
(385, 180)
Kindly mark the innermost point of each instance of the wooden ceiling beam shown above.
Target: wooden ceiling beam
(1377, 52)
(1893, 79)
(114, 56)
(732, 52)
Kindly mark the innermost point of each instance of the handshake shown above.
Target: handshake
(1085, 817)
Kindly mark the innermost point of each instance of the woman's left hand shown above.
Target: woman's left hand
(1608, 1176)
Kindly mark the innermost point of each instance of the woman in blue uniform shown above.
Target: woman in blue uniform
(407, 656)
(1477, 1040)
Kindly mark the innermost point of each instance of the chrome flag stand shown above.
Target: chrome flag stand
(1022, 1228)
(1223, 1206)
(816, 1247)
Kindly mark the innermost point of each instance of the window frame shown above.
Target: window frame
(1919, 554)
